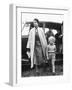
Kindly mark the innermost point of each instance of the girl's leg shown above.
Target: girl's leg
(53, 65)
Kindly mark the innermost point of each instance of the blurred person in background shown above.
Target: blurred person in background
(48, 34)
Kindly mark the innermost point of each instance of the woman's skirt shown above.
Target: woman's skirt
(38, 55)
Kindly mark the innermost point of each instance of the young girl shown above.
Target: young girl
(51, 48)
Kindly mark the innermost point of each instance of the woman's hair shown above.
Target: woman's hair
(36, 20)
(32, 25)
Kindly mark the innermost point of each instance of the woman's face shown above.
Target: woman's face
(35, 23)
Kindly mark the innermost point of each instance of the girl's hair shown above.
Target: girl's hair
(52, 38)
(36, 20)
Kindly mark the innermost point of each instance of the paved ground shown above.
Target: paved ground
(43, 71)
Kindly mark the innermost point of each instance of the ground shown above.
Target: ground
(45, 70)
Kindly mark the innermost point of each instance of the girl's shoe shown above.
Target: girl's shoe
(53, 73)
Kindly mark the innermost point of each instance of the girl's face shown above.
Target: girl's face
(51, 42)
(35, 23)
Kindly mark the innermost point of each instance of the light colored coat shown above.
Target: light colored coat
(31, 42)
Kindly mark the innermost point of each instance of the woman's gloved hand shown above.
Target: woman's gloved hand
(28, 53)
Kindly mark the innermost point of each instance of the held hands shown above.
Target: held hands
(46, 60)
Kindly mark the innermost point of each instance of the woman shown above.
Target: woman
(37, 44)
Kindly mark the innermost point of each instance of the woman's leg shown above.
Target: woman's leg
(36, 67)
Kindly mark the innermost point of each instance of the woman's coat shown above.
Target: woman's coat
(31, 42)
